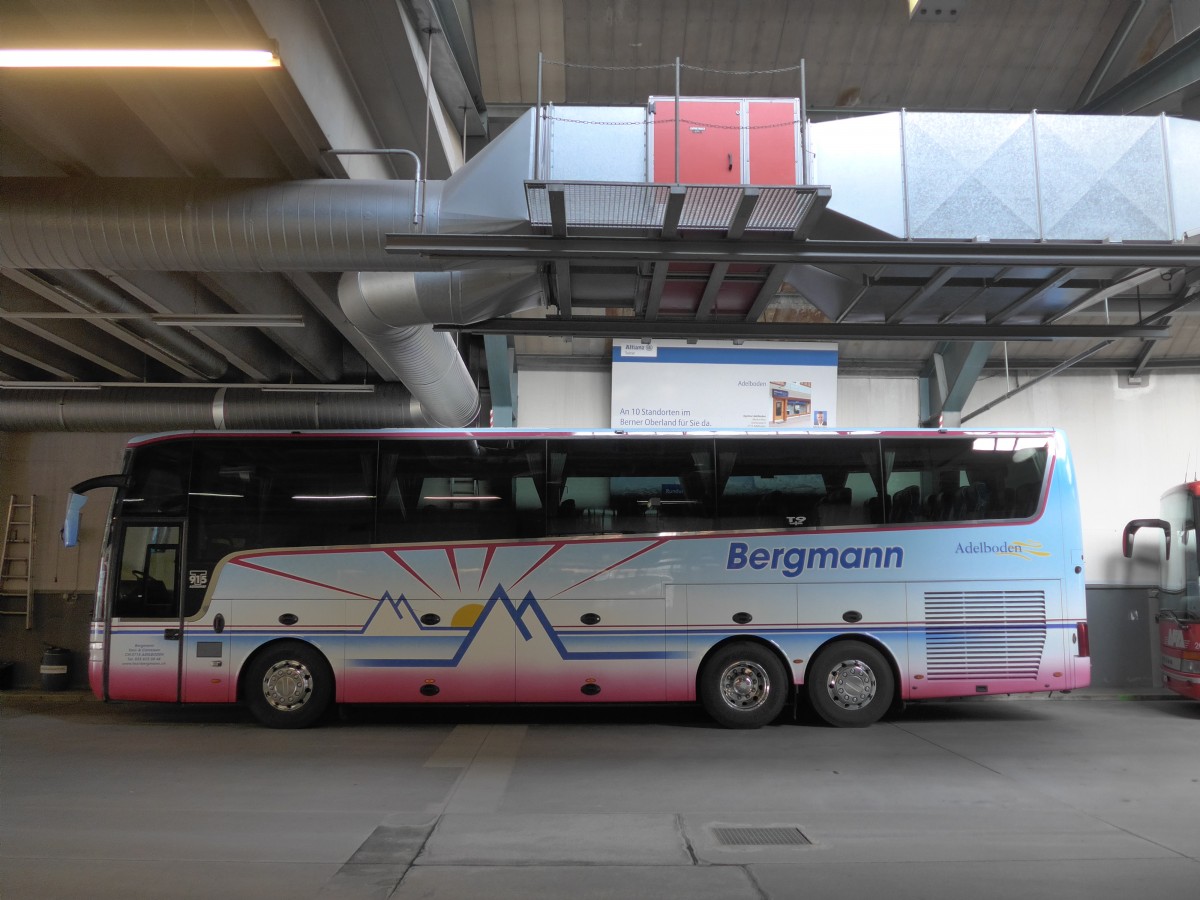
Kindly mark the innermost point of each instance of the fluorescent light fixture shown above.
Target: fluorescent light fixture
(49, 386)
(458, 497)
(234, 320)
(202, 385)
(334, 497)
(207, 320)
(176, 58)
(313, 388)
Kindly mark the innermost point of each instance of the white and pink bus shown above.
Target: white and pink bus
(849, 570)
(1178, 586)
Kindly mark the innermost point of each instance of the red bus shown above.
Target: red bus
(1178, 584)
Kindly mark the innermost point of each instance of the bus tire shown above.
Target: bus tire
(288, 685)
(850, 684)
(743, 685)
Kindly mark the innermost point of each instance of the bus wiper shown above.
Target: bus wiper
(1169, 615)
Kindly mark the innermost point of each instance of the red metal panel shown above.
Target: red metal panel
(772, 130)
(709, 141)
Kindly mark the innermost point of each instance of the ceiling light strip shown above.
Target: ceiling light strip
(133, 57)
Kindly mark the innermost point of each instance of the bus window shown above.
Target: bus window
(148, 585)
(246, 494)
(766, 483)
(460, 491)
(963, 479)
(158, 483)
(629, 486)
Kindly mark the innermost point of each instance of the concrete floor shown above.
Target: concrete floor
(1086, 797)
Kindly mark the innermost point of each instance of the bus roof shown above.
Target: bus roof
(493, 434)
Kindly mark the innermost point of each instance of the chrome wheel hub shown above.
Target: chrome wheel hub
(851, 684)
(745, 685)
(287, 685)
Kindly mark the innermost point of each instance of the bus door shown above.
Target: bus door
(145, 624)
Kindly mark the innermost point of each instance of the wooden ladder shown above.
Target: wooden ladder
(16, 559)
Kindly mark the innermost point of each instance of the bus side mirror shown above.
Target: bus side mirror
(75, 501)
(70, 529)
(1127, 537)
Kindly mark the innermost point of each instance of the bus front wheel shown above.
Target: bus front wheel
(743, 686)
(288, 686)
(850, 684)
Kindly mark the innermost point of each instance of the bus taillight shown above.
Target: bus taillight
(1081, 634)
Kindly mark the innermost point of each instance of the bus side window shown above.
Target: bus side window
(456, 491)
(767, 483)
(246, 493)
(966, 479)
(628, 485)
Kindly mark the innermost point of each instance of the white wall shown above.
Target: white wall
(1130, 444)
(569, 399)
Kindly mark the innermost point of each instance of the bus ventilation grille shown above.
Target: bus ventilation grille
(760, 837)
(984, 634)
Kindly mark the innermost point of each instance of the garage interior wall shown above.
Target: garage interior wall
(1130, 444)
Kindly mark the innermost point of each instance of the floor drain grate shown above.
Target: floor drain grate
(761, 837)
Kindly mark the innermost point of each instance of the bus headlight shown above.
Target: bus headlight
(1189, 666)
(1187, 663)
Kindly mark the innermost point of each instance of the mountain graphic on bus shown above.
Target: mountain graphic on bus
(439, 645)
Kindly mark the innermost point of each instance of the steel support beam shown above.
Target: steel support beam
(1030, 296)
(498, 350)
(1159, 317)
(1150, 88)
(670, 226)
(926, 291)
(975, 295)
(558, 209)
(767, 292)
(654, 294)
(948, 378)
(562, 286)
(635, 326)
(709, 298)
(532, 248)
(745, 210)
(1090, 299)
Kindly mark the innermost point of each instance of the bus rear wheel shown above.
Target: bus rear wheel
(743, 686)
(288, 686)
(850, 684)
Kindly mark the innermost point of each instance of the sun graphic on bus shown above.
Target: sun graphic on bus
(466, 616)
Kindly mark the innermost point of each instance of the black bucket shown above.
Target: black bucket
(56, 669)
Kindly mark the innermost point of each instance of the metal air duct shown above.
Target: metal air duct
(134, 409)
(250, 225)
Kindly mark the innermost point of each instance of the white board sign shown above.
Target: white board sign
(719, 384)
